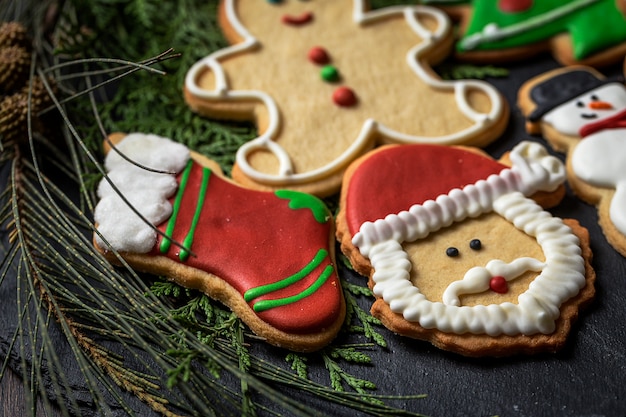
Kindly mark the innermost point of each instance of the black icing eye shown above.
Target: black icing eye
(580, 104)
(594, 98)
(475, 244)
(452, 252)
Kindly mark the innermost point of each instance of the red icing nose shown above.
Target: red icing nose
(514, 6)
(498, 284)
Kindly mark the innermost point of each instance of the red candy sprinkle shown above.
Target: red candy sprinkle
(344, 97)
(318, 55)
(498, 284)
(514, 6)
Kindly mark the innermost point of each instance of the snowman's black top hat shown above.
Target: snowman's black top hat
(562, 88)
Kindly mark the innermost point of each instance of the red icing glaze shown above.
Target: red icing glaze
(300, 20)
(616, 122)
(251, 238)
(318, 55)
(396, 177)
(344, 97)
(498, 284)
(515, 6)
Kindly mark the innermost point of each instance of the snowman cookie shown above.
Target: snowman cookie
(582, 113)
(327, 80)
(589, 32)
(457, 253)
(268, 256)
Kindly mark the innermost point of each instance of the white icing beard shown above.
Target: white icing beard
(562, 276)
(146, 191)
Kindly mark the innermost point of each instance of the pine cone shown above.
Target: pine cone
(14, 111)
(14, 68)
(13, 117)
(14, 34)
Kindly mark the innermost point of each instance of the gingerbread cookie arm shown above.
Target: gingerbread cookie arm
(462, 89)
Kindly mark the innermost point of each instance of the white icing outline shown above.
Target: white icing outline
(265, 141)
(561, 277)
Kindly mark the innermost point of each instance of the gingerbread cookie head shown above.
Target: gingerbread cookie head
(463, 258)
(269, 256)
(327, 80)
(584, 114)
(517, 29)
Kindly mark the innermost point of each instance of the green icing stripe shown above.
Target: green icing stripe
(269, 304)
(256, 292)
(473, 41)
(188, 241)
(166, 243)
(299, 200)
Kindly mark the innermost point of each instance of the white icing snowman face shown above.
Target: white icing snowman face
(595, 105)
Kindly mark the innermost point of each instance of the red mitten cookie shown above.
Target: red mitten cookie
(457, 255)
(590, 32)
(267, 256)
(582, 113)
(326, 80)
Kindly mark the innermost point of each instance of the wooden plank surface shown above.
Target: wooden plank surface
(12, 400)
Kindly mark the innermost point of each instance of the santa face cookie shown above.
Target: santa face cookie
(583, 114)
(269, 256)
(325, 80)
(590, 32)
(458, 255)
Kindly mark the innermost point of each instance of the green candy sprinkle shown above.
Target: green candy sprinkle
(329, 73)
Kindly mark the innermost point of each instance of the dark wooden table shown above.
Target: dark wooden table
(12, 400)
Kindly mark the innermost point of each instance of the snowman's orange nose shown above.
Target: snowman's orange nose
(600, 105)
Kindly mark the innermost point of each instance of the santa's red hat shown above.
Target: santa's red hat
(431, 186)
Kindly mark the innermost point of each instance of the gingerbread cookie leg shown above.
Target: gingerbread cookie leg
(327, 96)
(267, 256)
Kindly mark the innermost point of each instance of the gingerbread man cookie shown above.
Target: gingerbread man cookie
(325, 80)
(269, 256)
(590, 32)
(583, 114)
(458, 255)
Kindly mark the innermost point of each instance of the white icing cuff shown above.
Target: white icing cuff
(146, 191)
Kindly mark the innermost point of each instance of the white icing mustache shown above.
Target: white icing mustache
(477, 279)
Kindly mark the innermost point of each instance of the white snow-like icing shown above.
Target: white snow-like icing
(145, 190)
(266, 141)
(561, 277)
